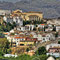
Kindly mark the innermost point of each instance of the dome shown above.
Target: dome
(51, 58)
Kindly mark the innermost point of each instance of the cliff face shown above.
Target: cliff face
(50, 8)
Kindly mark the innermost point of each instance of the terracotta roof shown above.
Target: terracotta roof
(42, 24)
(5, 33)
(31, 39)
(19, 37)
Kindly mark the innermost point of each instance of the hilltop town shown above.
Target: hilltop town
(29, 33)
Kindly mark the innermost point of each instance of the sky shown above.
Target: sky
(13, 0)
(10, 0)
(25, 0)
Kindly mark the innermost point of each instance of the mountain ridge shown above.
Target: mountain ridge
(50, 8)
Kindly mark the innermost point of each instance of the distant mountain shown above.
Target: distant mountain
(10, 0)
(13, 0)
(50, 8)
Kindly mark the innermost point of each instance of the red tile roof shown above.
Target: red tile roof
(42, 24)
(19, 37)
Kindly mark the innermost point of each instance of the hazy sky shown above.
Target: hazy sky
(14, 0)
(25, 0)
(11, 0)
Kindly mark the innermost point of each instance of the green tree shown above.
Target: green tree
(41, 51)
(36, 58)
(56, 35)
(27, 49)
(54, 28)
(43, 57)
(2, 35)
(4, 45)
(14, 24)
(58, 42)
(6, 27)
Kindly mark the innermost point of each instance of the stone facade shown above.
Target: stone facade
(28, 15)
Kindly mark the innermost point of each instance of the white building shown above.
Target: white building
(50, 58)
(54, 50)
(54, 54)
(22, 28)
(12, 31)
(29, 27)
(18, 39)
(41, 25)
(5, 12)
(18, 21)
(5, 18)
(8, 19)
(46, 37)
(52, 45)
(58, 28)
(49, 29)
(53, 22)
(10, 55)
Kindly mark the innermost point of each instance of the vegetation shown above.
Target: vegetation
(2, 35)
(58, 42)
(12, 33)
(4, 46)
(27, 49)
(54, 29)
(56, 35)
(27, 57)
(41, 51)
(40, 55)
(5, 27)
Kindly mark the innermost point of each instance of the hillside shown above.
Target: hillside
(50, 8)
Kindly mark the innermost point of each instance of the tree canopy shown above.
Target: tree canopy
(7, 26)
(4, 45)
(41, 51)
